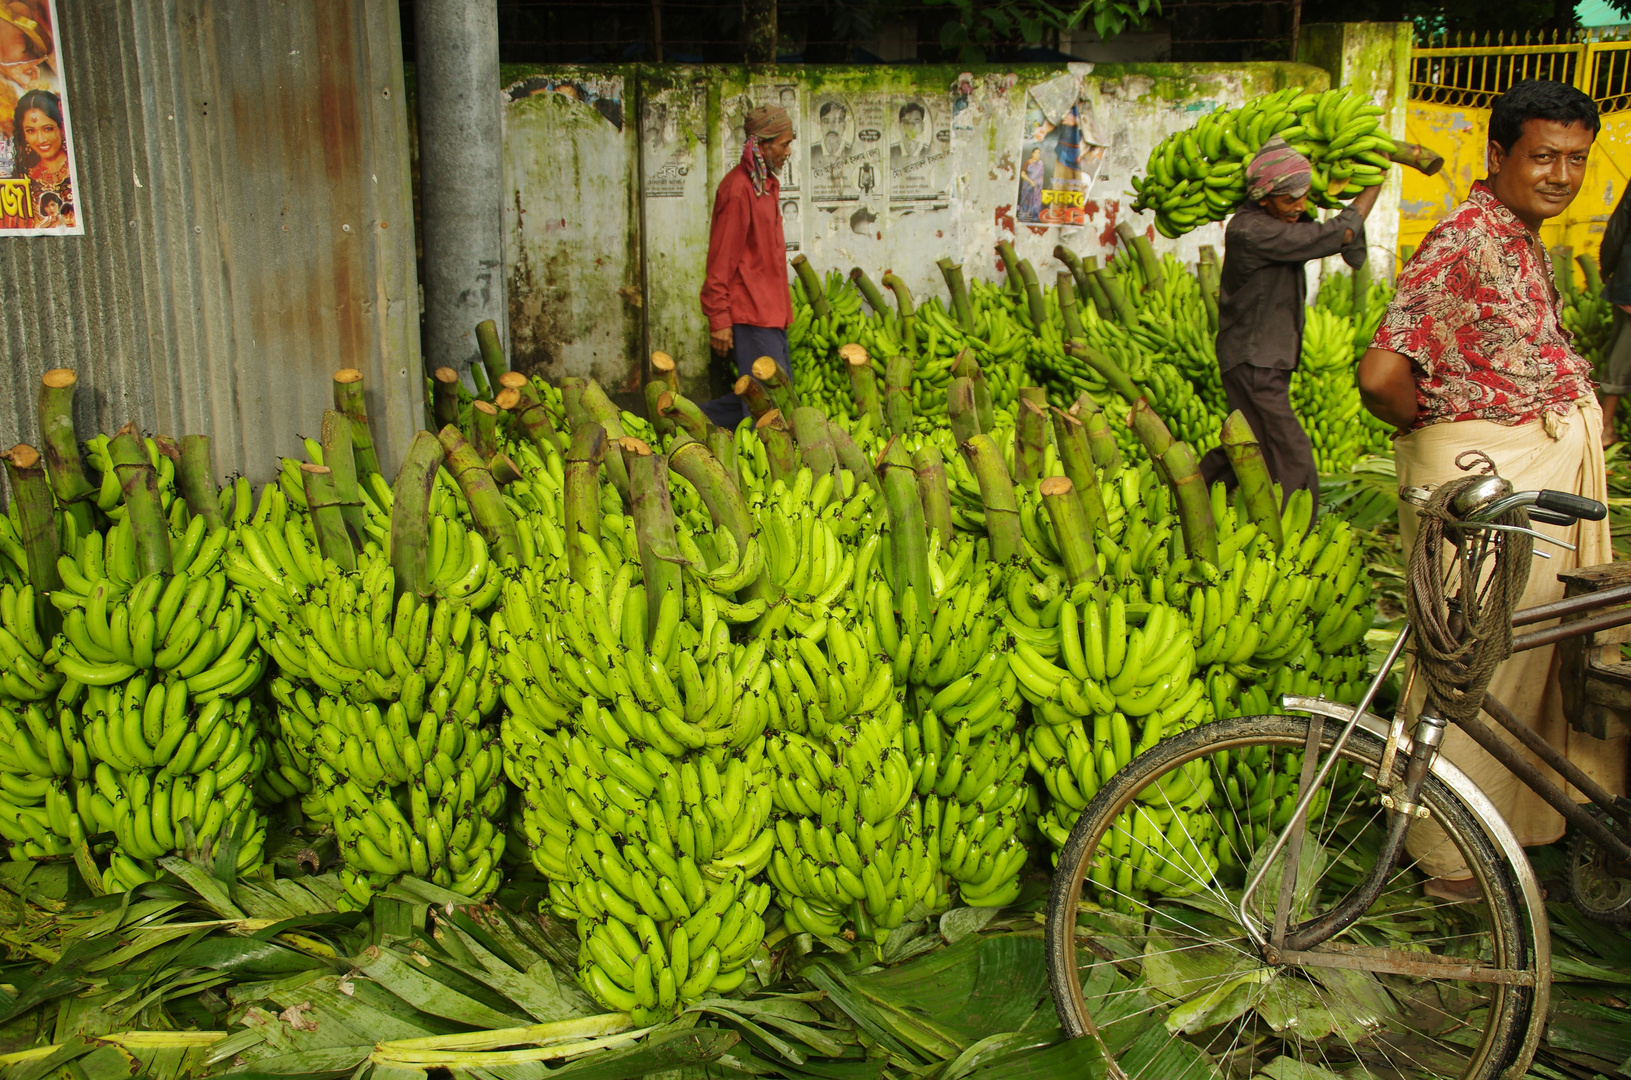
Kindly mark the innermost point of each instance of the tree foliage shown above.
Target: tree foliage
(972, 27)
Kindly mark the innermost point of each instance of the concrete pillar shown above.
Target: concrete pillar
(1373, 58)
(461, 176)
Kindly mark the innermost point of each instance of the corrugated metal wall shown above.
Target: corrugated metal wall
(244, 186)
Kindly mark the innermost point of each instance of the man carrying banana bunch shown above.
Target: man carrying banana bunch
(1261, 298)
(1472, 355)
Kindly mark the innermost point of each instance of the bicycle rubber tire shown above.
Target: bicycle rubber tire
(1505, 1029)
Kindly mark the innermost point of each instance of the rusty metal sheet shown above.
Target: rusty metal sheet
(246, 196)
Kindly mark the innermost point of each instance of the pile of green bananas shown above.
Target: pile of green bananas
(1325, 394)
(1585, 312)
(381, 700)
(1198, 175)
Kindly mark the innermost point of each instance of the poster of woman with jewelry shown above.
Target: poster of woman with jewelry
(37, 178)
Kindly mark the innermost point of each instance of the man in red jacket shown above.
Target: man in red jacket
(745, 294)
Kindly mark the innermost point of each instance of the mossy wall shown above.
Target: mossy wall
(609, 226)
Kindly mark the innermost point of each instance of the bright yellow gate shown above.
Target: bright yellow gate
(1453, 81)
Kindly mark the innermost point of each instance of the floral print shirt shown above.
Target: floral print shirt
(1477, 314)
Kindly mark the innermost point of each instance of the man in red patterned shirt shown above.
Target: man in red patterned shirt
(1472, 356)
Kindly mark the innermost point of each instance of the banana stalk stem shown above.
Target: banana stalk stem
(723, 446)
(997, 493)
(958, 288)
(342, 466)
(1112, 372)
(1037, 306)
(1102, 441)
(195, 476)
(478, 375)
(1154, 277)
(908, 317)
(580, 498)
(505, 471)
(37, 528)
(572, 401)
(487, 506)
(484, 429)
(599, 408)
(960, 410)
(1416, 157)
(966, 365)
(1078, 274)
(662, 425)
(930, 468)
(874, 298)
(897, 392)
(349, 400)
(813, 290)
(1361, 283)
(1076, 456)
(815, 445)
(753, 395)
(445, 407)
(63, 464)
(776, 384)
(1065, 290)
(492, 351)
(777, 438)
(410, 515)
(729, 510)
(1194, 503)
(333, 541)
(850, 457)
(653, 528)
(1072, 532)
(664, 368)
(684, 413)
(863, 383)
(908, 534)
(1095, 290)
(1206, 272)
(1030, 434)
(1252, 472)
(1119, 303)
(535, 420)
(1010, 266)
(140, 484)
(1153, 432)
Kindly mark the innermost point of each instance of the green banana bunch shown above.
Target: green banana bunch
(852, 842)
(1325, 394)
(1198, 174)
(25, 674)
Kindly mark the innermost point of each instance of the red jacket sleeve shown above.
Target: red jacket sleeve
(727, 240)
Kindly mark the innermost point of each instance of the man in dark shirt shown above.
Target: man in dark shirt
(1614, 258)
(1261, 296)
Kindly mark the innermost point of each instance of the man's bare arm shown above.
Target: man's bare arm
(1363, 203)
(1387, 386)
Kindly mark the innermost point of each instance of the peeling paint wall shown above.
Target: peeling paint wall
(609, 226)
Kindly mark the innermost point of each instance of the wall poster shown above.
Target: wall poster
(919, 153)
(672, 126)
(847, 179)
(1060, 157)
(37, 175)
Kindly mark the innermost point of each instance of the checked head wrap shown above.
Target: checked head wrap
(1278, 170)
(761, 123)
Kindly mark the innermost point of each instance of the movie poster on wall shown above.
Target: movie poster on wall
(37, 174)
(1060, 157)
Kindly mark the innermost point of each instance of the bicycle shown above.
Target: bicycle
(1267, 929)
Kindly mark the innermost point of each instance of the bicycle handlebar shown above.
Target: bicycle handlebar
(1571, 506)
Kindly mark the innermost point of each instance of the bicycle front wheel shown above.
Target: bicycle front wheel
(1145, 918)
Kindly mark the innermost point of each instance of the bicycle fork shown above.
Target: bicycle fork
(1403, 798)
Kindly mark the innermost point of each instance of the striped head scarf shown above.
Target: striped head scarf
(1278, 170)
(761, 123)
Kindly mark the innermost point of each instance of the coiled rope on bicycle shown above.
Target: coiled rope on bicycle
(1459, 647)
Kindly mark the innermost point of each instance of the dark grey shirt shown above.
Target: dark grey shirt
(1614, 257)
(1262, 290)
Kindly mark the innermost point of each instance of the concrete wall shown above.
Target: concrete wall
(609, 221)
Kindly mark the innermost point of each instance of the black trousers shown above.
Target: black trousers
(1263, 395)
(751, 342)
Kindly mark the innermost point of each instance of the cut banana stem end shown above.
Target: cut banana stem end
(348, 398)
(777, 438)
(323, 502)
(61, 448)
